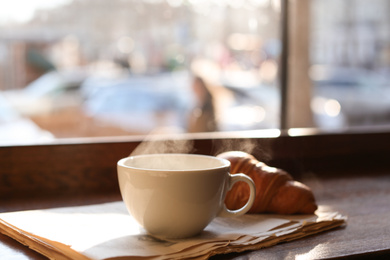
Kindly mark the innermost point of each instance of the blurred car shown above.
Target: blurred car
(52, 91)
(15, 129)
(253, 107)
(138, 103)
(345, 97)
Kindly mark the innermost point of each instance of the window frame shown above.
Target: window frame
(88, 166)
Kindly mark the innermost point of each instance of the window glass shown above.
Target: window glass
(350, 57)
(87, 68)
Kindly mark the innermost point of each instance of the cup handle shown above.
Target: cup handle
(225, 212)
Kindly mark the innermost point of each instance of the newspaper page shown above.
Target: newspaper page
(107, 231)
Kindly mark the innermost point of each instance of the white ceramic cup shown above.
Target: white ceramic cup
(178, 195)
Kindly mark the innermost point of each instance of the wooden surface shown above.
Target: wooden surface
(349, 173)
(363, 198)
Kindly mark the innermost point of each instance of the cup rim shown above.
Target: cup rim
(122, 162)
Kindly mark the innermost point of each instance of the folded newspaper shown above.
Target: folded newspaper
(107, 231)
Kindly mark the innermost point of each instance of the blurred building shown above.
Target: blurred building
(146, 35)
(22, 60)
(351, 33)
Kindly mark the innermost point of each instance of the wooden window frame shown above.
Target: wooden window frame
(88, 166)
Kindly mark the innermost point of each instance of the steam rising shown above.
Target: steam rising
(157, 142)
(163, 146)
(244, 145)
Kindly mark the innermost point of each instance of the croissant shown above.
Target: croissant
(276, 191)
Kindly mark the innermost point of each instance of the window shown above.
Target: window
(350, 61)
(174, 66)
(65, 166)
(87, 68)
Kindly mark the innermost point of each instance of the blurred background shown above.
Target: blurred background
(87, 68)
